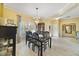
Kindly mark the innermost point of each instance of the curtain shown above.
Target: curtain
(20, 30)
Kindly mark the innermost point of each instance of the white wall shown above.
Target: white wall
(55, 29)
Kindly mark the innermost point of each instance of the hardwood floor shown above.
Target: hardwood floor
(60, 47)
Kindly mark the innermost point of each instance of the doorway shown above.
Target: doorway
(41, 27)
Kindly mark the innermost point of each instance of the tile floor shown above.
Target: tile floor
(60, 47)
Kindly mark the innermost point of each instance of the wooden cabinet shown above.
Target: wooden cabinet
(8, 40)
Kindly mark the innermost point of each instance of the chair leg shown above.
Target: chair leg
(45, 47)
(33, 47)
(29, 44)
(38, 51)
(48, 44)
(26, 42)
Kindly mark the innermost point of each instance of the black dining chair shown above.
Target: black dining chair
(37, 43)
(28, 37)
(46, 36)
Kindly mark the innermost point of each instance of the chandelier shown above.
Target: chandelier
(36, 18)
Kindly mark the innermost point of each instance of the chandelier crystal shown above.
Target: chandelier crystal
(36, 18)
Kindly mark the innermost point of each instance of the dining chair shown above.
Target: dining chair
(46, 36)
(35, 40)
(36, 36)
(28, 37)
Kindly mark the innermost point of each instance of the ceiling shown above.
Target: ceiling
(46, 10)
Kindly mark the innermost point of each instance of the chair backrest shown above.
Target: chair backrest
(46, 34)
(35, 35)
(28, 33)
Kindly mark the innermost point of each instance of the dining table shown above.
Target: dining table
(41, 40)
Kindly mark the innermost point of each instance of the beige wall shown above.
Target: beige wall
(9, 13)
(47, 23)
(1, 9)
(67, 22)
(57, 25)
(52, 22)
(1, 12)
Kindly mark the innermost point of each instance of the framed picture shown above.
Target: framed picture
(68, 29)
(10, 22)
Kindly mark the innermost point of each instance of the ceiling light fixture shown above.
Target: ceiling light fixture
(57, 18)
(36, 18)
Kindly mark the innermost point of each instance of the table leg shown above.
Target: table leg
(26, 41)
(41, 54)
(50, 42)
(38, 51)
(14, 47)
